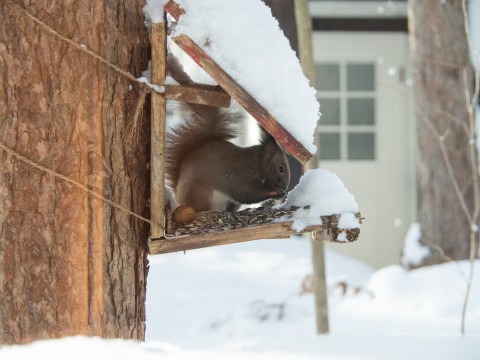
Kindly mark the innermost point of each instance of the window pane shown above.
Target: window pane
(330, 109)
(361, 146)
(361, 111)
(360, 77)
(327, 77)
(329, 146)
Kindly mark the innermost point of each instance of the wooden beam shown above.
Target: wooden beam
(174, 10)
(198, 94)
(263, 117)
(304, 32)
(157, 128)
(190, 242)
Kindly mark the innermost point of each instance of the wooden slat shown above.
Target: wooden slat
(158, 116)
(174, 9)
(267, 121)
(198, 94)
(269, 231)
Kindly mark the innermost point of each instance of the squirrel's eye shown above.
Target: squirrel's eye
(281, 169)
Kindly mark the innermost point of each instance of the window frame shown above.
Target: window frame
(343, 95)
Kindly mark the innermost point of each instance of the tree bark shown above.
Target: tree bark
(69, 263)
(440, 56)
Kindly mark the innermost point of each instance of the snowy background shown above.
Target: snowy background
(251, 301)
(248, 298)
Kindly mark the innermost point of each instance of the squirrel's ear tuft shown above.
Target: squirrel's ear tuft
(265, 137)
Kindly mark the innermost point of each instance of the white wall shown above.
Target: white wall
(474, 22)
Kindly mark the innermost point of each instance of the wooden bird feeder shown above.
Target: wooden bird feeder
(213, 228)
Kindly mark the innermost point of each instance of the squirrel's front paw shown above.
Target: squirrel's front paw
(184, 214)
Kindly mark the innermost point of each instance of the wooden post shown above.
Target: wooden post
(320, 282)
(305, 46)
(157, 157)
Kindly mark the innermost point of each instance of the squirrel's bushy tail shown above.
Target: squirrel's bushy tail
(202, 124)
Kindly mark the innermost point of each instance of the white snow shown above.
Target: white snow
(146, 78)
(348, 221)
(342, 237)
(258, 57)
(246, 301)
(326, 194)
(413, 251)
(153, 11)
(474, 23)
(157, 88)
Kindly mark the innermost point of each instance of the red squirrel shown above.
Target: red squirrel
(208, 172)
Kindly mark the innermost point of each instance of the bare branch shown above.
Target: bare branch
(456, 120)
(448, 164)
(470, 103)
(444, 256)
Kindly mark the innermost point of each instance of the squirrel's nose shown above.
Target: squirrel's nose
(282, 182)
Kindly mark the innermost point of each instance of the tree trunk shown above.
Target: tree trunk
(69, 263)
(440, 58)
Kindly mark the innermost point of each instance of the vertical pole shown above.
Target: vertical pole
(305, 47)
(320, 282)
(157, 157)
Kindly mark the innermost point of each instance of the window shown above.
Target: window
(346, 91)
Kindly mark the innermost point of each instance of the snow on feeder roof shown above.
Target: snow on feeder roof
(245, 40)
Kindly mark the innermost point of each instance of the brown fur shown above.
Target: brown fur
(201, 162)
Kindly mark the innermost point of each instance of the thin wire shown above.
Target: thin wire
(75, 183)
(146, 89)
(84, 49)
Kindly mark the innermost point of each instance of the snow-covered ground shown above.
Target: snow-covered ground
(251, 301)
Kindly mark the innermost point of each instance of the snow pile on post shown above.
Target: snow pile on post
(154, 12)
(414, 252)
(326, 195)
(247, 42)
